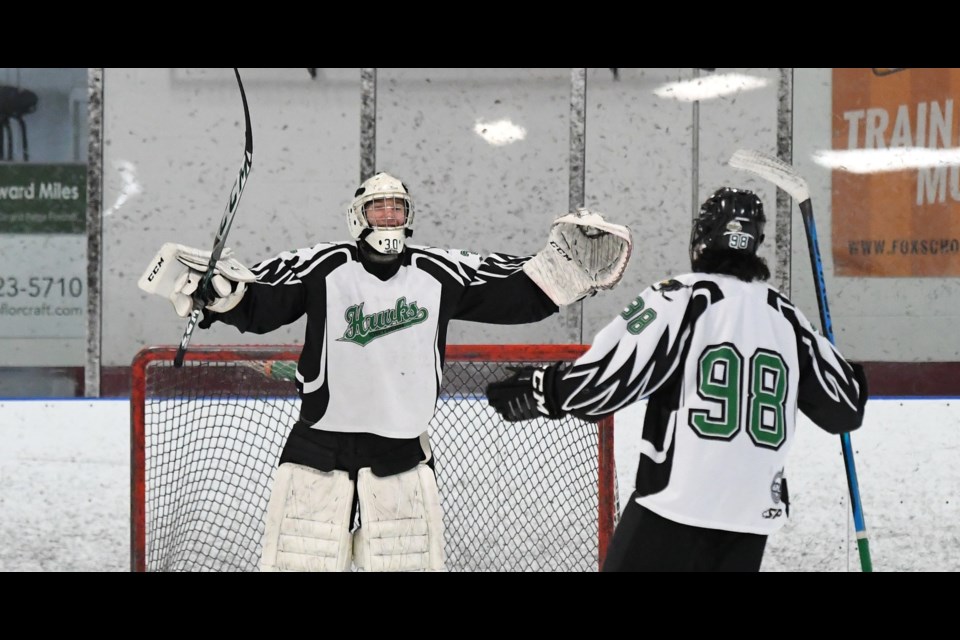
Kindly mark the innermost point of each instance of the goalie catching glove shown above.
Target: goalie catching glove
(527, 394)
(176, 271)
(584, 254)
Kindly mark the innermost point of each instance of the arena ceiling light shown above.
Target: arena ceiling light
(499, 132)
(892, 159)
(709, 87)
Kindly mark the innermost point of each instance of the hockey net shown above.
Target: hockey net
(539, 495)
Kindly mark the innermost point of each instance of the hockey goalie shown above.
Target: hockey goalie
(355, 487)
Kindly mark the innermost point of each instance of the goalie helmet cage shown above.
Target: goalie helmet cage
(538, 495)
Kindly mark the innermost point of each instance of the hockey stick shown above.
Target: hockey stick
(202, 295)
(786, 177)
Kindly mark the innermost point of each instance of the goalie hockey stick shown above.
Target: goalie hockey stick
(202, 295)
(786, 177)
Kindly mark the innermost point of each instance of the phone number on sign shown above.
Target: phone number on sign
(40, 287)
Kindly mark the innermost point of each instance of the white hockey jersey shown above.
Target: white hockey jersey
(724, 364)
(373, 353)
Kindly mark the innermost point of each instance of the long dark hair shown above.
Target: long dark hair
(745, 266)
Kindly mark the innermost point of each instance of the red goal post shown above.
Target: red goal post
(539, 495)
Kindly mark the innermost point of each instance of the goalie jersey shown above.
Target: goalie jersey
(724, 365)
(380, 336)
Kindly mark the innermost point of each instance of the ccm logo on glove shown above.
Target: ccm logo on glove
(560, 251)
(156, 270)
(538, 392)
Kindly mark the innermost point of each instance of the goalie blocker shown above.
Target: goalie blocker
(176, 270)
(584, 254)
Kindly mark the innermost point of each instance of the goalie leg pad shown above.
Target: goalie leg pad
(308, 521)
(401, 522)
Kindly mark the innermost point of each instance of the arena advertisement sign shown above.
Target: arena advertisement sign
(44, 148)
(43, 249)
(43, 198)
(905, 222)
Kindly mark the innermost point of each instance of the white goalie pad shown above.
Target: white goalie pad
(176, 270)
(401, 522)
(584, 254)
(308, 521)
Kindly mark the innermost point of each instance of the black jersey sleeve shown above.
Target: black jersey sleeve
(280, 294)
(500, 292)
(833, 392)
(264, 308)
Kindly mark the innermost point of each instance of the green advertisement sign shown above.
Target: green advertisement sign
(43, 198)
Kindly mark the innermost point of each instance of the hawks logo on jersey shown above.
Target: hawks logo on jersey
(363, 329)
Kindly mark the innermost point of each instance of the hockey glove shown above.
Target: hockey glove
(525, 395)
(584, 254)
(175, 273)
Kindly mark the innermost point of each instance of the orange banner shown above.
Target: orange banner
(902, 223)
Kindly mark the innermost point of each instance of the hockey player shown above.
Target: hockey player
(724, 362)
(355, 485)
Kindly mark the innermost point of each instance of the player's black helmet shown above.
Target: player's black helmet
(729, 219)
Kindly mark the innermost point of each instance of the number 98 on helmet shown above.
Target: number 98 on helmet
(730, 219)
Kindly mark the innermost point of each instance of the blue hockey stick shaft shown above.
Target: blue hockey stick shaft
(787, 178)
(863, 545)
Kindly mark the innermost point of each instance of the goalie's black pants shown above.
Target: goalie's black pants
(350, 452)
(645, 541)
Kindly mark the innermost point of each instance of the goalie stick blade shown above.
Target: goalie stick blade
(773, 169)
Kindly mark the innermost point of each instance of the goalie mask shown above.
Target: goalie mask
(730, 219)
(382, 214)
